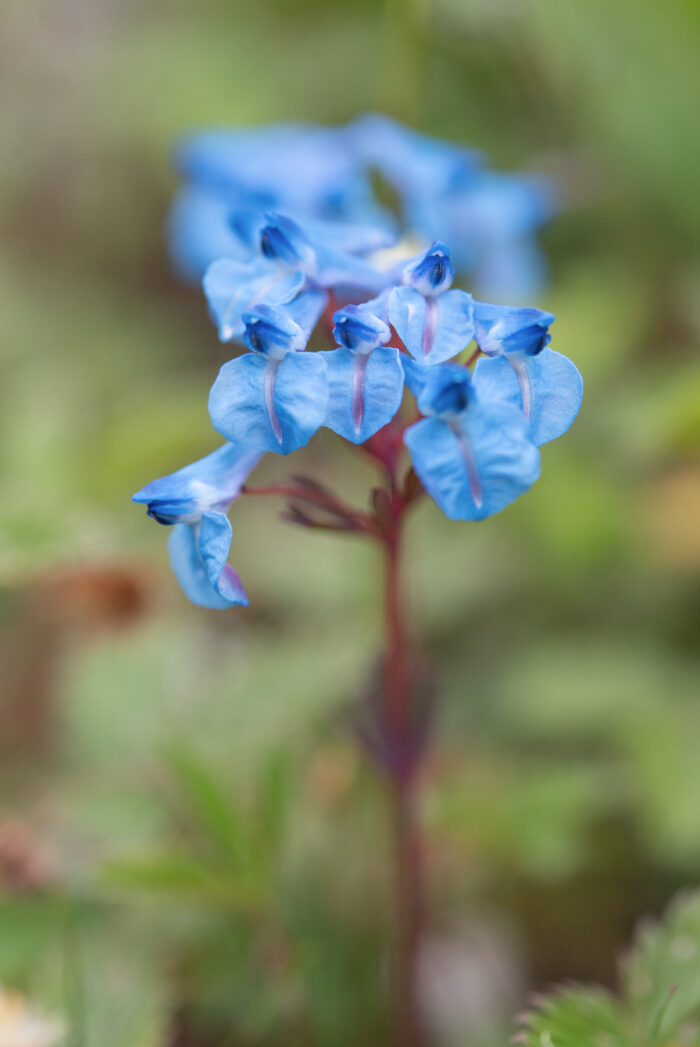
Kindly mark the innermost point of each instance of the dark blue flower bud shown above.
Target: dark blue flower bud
(359, 329)
(447, 392)
(432, 273)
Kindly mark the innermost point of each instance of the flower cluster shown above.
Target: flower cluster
(325, 179)
(481, 410)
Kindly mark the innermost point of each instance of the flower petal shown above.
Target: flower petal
(212, 482)
(549, 385)
(477, 466)
(200, 232)
(365, 391)
(432, 329)
(269, 404)
(232, 288)
(198, 558)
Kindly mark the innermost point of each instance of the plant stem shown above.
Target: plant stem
(407, 843)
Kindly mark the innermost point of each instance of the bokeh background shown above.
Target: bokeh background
(192, 852)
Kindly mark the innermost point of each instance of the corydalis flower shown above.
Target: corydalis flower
(435, 323)
(473, 456)
(522, 370)
(194, 500)
(365, 376)
(276, 397)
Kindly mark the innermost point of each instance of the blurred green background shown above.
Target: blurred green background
(192, 853)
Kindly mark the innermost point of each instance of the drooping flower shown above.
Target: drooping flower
(434, 322)
(194, 500)
(522, 370)
(365, 376)
(276, 397)
(472, 455)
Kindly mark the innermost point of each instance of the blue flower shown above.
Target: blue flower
(232, 288)
(521, 370)
(472, 455)
(491, 222)
(200, 232)
(433, 322)
(416, 165)
(275, 398)
(285, 242)
(195, 500)
(365, 378)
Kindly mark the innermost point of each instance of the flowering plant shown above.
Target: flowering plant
(284, 228)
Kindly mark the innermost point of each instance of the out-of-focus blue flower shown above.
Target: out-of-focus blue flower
(414, 164)
(433, 322)
(365, 378)
(285, 242)
(491, 223)
(472, 455)
(521, 370)
(303, 171)
(298, 167)
(275, 398)
(201, 232)
(195, 500)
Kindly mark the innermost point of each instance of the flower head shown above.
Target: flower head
(194, 500)
(289, 210)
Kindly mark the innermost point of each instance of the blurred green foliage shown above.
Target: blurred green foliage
(191, 851)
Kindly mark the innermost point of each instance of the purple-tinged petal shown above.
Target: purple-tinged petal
(366, 390)
(432, 329)
(198, 555)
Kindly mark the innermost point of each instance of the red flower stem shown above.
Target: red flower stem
(408, 887)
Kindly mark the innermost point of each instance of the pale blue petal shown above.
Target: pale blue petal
(268, 404)
(232, 288)
(415, 374)
(200, 232)
(550, 381)
(432, 329)
(215, 536)
(478, 466)
(365, 391)
(212, 482)
(194, 576)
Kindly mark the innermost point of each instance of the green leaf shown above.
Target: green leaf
(577, 1016)
(212, 807)
(169, 875)
(661, 974)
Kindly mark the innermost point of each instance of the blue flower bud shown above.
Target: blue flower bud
(282, 240)
(447, 392)
(432, 273)
(506, 330)
(359, 330)
(272, 332)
